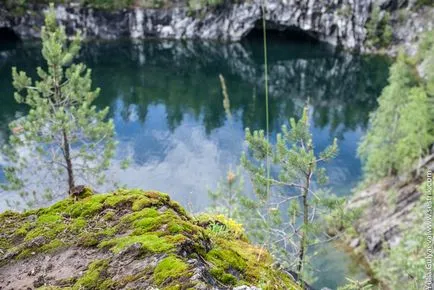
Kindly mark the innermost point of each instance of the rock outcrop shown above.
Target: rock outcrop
(129, 239)
(388, 209)
(340, 23)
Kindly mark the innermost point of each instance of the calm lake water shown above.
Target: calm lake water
(166, 101)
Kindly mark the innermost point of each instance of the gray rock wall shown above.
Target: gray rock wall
(338, 22)
(382, 222)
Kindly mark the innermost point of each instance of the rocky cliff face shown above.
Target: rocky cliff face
(388, 209)
(130, 239)
(340, 23)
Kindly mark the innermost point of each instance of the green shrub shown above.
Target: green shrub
(109, 4)
(345, 11)
(195, 5)
(379, 29)
(421, 3)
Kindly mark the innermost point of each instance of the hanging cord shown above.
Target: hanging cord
(267, 131)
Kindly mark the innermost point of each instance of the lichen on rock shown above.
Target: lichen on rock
(129, 239)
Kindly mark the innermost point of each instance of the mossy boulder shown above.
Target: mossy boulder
(129, 239)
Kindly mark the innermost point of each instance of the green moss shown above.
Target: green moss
(168, 222)
(109, 216)
(178, 208)
(153, 221)
(23, 230)
(94, 277)
(49, 232)
(107, 284)
(143, 214)
(149, 242)
(8, 214)
(146, 225)
(93, 238)
(222, 276)
(87, 239)
(109, 231)
(150, 219)
(141, 203)
(85, 209)
(60, 207)
(87, 192)
(253, 264)
(158, 196)
(4, 245)
(176, 239)
(78, 224)
(77, 221)
(117, 200)
(25, 253)
(169, 268)
(49, 218)
(175, 228)
(226, 258)
(174, 287)
(52, 245)
(11, 228)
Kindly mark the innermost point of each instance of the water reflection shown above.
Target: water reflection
(167, 103)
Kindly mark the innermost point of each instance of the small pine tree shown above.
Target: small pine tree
(63, 135)
(286, 206)
(380, 140)
(414, 129)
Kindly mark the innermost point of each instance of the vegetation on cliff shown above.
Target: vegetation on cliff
(392, 230)
(405, 263)
(398, 136)
(161, 244)
(378, 28)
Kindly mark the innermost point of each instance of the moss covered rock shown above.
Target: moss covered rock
(129, 239)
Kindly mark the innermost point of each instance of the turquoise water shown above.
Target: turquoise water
(166, 101)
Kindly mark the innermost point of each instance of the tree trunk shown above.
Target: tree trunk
(67, 155)
(305, 224)
(66, 146)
